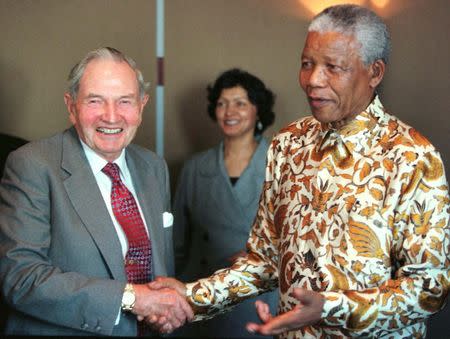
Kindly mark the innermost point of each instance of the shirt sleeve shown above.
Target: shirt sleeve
(420, 255)
(251, 275)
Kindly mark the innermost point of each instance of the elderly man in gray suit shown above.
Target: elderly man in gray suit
(84, 221)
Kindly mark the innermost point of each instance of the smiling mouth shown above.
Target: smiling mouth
(231, 122)
(109, 131)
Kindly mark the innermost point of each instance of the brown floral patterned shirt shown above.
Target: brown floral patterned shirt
(359, 214)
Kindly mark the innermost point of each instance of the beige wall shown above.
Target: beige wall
(41, 39)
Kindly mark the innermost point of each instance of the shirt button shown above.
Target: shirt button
(98, 328)
(84, 326)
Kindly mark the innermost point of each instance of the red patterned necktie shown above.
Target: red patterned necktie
(138, 257)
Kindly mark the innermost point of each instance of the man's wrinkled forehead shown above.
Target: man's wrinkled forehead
(330, 43)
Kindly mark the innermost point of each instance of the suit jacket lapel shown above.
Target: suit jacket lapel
(223, 195)
(218, 188)
(87, 201)
(249, 186)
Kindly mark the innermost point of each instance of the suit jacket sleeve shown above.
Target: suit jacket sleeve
(34, 280)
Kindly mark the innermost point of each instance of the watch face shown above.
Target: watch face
(128, 298)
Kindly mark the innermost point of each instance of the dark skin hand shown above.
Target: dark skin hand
(307, 312)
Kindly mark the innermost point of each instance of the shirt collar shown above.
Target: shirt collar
(362, 125)
(97, 162)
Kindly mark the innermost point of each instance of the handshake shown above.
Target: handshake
(162, 304)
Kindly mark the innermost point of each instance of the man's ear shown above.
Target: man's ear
(144, 101)
(377, 69)
(68, 100)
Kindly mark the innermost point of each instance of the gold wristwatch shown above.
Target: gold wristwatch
(128, 298)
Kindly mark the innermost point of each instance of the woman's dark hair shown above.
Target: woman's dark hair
(258, 94)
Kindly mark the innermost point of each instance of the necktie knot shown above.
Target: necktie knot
(112, 170)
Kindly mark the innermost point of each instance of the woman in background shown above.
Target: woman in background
(218, 193)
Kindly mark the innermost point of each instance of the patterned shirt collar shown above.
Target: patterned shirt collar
(362, 127)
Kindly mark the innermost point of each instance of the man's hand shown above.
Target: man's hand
(166, 282)
(307, 312)
(164, 309)
(162, 322)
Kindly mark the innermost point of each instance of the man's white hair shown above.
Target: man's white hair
(103, 53)
(367, 28)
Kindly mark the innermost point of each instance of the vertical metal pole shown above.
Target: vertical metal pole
(159, 100)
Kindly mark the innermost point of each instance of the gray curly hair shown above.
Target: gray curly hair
(367, 27)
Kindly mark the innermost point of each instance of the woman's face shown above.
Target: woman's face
(235, 114)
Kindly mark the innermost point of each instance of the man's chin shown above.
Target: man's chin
(109, 152)
(321, 116)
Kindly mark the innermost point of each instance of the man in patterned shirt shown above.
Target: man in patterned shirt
(353, 222)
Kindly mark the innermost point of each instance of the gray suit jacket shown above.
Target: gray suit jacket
(61, 265)
(212, 217)
(212, 222)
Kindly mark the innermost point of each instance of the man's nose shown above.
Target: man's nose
(110, 114)
(317, 77)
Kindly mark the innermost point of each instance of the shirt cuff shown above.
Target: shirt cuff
(118, 318)
(196, 297)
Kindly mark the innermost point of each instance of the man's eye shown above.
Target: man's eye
(333, 67)
(306, 64)
(94, 101)
(125, 102)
